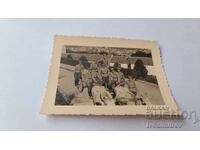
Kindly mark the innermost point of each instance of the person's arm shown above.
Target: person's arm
(99, 75)
(93, 77)
(118, 79)
(122, 80)
(109, 60)
(99, 58)
(109, 78)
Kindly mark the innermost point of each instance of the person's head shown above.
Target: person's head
(103, 64)
(118, 69)
(100, 63)
(112, 69)
(104, 54)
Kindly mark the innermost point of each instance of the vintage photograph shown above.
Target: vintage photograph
(107, 76)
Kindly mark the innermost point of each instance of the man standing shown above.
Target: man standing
(90, 77)
(105, 59)
(89, 82)
(78, 73)
(104, 74)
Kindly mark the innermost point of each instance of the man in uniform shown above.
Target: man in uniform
(126, 92)
(104, 58)
(92, 78)
(87, 80)
(131, 85)
(132, 88)
(121, 76)
(78, 73)
(104, 74)
(96, 85)
(114, 80)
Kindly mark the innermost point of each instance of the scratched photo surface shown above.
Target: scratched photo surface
(107, 76)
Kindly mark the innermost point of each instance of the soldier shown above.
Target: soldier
(78, 73)
(101, 96)
(126, 93)
(96, 87)
(131, 85)
(104, 58)
(132, 88)
(87, 80)
(104, 74)
(89, 83)
(114, 80)
(96, 78)
(121, 76)
(91, 77)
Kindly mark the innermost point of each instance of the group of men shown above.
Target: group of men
(106, 79)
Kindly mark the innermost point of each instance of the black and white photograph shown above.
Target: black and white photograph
(97, 73)
(107, 76)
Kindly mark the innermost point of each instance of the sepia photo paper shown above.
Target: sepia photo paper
(107, 76)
